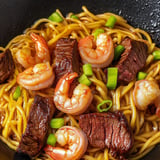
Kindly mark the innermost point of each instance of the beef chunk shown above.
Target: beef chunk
(35, 134)
(132, 60)
(6, 65)
(66, 57)
(108, 129)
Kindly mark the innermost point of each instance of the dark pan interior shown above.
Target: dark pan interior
(16, 15)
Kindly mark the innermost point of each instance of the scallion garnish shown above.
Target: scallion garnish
(51, 140)
(17, 93)
(55, 17)
(97, 32)
(83, 79)
(156, 55)
(141, 75)
(109, 102)
(111, 22)
(74, 16)
(87, 69)
(57, 122)
(118, 51)
(112, 75)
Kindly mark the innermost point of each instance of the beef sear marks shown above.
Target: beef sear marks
(109, 130)
(6, 65)
(35, 134)
(132, 60)
(66, 57)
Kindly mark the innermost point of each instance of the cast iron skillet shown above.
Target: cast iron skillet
(16, 15)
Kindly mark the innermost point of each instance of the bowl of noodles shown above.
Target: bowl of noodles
(31, 76)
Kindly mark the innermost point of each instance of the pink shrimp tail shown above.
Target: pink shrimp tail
(55, 153)
(36, 38)
(65, 81)
(39, 41)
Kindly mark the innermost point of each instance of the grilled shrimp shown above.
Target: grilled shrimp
(146, 92)
(102, 56)
(81, 98)
(26, 59)
(38, 77)
(73, 141)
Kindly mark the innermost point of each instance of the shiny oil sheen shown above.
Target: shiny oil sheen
(16, 15)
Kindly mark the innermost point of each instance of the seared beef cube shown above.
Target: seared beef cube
(132, 60)
(66, 57)
(108, 129)
(35, 134)
(6, 65)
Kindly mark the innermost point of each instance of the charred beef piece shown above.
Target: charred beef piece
(6, 65)
(66, 57)
(108, 129)
(132, 60)
(35, 134)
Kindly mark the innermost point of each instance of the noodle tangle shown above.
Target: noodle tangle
(14, 114)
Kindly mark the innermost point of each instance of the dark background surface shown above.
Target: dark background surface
(17, 15)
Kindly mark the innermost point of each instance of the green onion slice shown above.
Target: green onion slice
(97, 32)
(118, 51)
(87, 69)
(156, 55)
(17, 93)
(74, 16)
(57, 122)
(55, 17)
(51, 140)
(112, 74)
(83, 79)
(111, 22)
(141, 75)
(109, 102)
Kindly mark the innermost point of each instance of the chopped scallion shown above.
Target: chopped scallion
(55, 17)
(118, 51)
(111, 22)
(83, 79)
(51, 140)
(17, 93)
(97, 32)
(74, 16)
(109, 102)
(141, 75)
(57, 122)
(87, 69)
(112, 74)
(156, 55)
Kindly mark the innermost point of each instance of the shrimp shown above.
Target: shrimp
(74, 141)
(80, 100)
(102, 56)
(38, 77)
(26, 59)
(146, 92)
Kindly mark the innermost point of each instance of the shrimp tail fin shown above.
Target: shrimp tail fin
(65, 81)
(55, 153)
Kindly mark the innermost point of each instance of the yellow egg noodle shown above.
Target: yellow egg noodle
(13, 114)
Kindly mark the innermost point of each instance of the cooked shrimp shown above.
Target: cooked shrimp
(102, 56)
(81, 98)
(145, 92)
(38, 77)
(74, 142)
(26, 59)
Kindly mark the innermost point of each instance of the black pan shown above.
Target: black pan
(16, 15)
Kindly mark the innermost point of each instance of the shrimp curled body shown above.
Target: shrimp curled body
(100, 57)
(146, 92)
(81, 98)
(74, 141)
(26, 59)
(38, 77)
